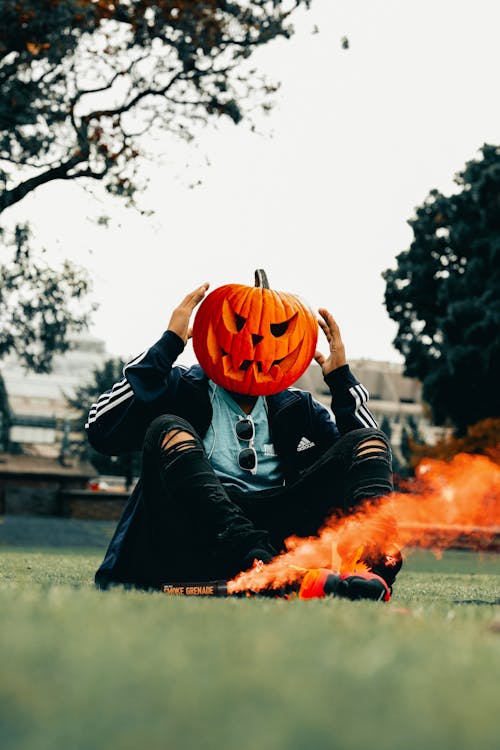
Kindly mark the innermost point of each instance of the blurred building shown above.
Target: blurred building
(34, 485)
(37, 466)
(35, 408)
(395, 399)
(35, 417)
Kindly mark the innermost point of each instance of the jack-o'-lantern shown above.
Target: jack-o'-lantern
(254, 340)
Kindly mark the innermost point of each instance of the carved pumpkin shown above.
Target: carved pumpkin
(253, 340)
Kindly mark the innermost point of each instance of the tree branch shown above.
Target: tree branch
(10, 197)
(86, 173)
(96, 115)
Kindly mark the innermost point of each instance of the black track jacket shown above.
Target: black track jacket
(301, 429)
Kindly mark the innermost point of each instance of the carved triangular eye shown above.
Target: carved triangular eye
(239, 321)
(279, 329)
(232, 320)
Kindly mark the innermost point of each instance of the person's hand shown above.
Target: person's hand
(179, 321)
(336, 357)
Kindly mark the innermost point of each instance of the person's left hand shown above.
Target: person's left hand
(181, 316)
(336, 357)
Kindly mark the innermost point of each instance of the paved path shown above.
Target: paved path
(37, 531)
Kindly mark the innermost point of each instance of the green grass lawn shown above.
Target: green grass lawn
(82, 669)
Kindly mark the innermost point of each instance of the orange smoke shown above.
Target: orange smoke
(447, 503)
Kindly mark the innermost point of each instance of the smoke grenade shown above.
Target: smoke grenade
(197, 588)
(315, 584)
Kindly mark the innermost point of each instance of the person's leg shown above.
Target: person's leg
(356, 468)
(196, 531)
(366, 475)
(369, 478)
(368, 466)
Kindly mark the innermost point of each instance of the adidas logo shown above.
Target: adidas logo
(304, 444)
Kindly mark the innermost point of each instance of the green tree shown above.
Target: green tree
(4, 417)
(397, 467)
(414, 429)
(85, 86)
(103, 378)
(87, 83)
(39, 306)
(445, 296)
(405, 449)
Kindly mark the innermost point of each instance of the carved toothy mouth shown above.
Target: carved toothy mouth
(275, 370)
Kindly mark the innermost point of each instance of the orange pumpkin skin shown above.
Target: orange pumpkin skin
(252, 340)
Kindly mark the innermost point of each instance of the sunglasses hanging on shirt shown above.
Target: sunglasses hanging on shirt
(247, 457)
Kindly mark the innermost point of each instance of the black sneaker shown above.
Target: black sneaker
(320, 582)
(387, 566)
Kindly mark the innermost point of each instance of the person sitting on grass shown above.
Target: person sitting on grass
(234, 460)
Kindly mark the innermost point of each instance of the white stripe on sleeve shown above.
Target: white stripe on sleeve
(107, 400)
(135, 361)
(361, 412)
(364, 409)
(118, 388)
(109, 406)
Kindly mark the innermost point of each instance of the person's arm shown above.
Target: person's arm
(349, 397)
(118, 421)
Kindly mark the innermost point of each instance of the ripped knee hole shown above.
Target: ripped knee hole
(371, 448)
(177, 440)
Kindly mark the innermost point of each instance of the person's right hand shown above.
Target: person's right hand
(179, 321)
(336, 357)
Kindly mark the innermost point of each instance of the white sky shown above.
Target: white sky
(321, 199)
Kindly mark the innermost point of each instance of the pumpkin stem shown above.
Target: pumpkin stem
(261, 279)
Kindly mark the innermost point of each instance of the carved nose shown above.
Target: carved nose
(256, 339)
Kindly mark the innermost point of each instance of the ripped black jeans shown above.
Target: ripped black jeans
(200, 530)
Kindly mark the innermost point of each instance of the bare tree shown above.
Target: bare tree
(86, 84)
